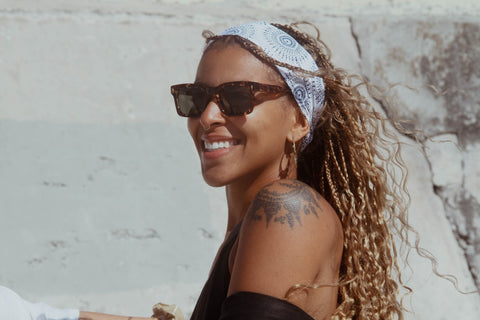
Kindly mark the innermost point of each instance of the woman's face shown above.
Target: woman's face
(240, 148)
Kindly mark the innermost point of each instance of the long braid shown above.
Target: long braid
(369, 291)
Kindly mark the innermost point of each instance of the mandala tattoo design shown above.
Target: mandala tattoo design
(285, 206)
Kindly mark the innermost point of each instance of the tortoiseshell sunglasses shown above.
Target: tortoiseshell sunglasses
(233, 98)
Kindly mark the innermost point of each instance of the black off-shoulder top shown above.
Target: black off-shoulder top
(213, 303)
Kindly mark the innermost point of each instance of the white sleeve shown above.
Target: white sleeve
(12, 307)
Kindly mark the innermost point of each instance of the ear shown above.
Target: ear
(300, 127)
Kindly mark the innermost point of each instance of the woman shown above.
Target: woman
(288, 234)
(295, 145)
(298, 150)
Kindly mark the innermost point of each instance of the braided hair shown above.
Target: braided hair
(352, 162)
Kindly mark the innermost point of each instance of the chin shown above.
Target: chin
(214, 180)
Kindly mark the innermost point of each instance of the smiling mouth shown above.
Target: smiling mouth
(217, 145)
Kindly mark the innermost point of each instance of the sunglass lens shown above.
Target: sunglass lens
(236, 100)
(192, 102)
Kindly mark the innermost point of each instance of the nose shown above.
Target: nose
(212, 115)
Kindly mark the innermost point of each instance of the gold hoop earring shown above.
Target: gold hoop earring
(294, 153)
(283, 172)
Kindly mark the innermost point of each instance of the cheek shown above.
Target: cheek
(269, 128)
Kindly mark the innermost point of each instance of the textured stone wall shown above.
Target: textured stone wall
(439, 58)
(102, 205)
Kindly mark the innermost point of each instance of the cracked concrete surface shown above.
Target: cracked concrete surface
(441, 57)
(462, 208)
(98, 178)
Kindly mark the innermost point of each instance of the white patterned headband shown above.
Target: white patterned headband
(308, 91)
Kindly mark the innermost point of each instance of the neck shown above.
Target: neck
(240, 194)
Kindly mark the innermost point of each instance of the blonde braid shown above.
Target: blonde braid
(348, 132)
(348, 163)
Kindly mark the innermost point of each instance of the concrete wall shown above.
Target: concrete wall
(102, 205)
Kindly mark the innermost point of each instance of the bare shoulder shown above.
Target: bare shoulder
(290, 235)
(291, 203)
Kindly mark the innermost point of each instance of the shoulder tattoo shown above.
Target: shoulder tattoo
(284, 204)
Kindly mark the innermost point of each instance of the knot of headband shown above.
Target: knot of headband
(308, 91)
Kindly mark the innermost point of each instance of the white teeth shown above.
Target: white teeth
(210, 146)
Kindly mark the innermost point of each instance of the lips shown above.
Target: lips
(214, 146)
